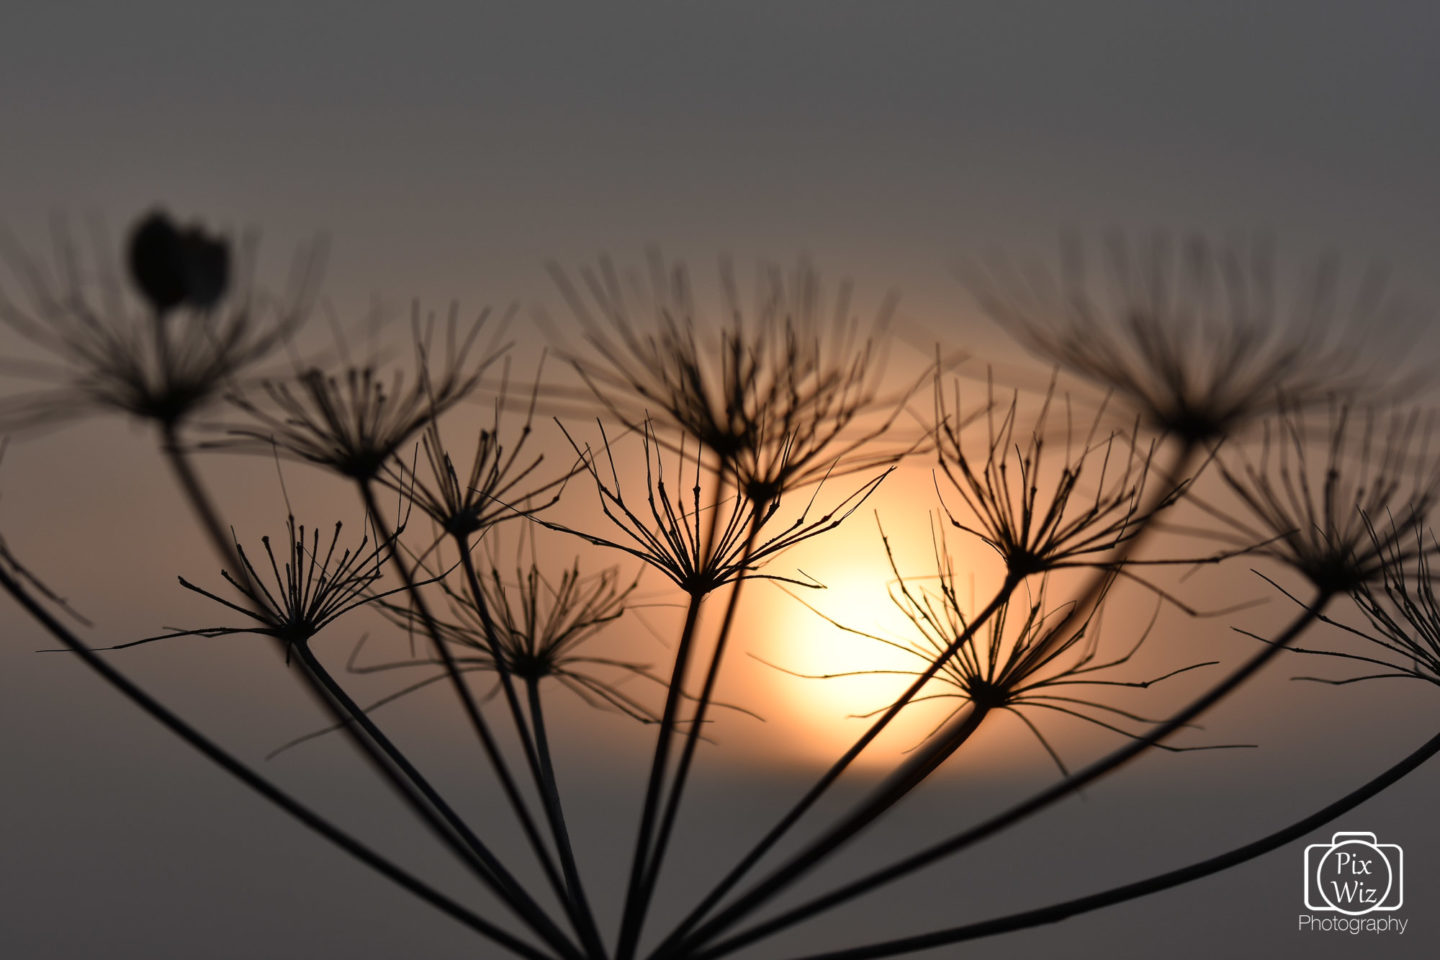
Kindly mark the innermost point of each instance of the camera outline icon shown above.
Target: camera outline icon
(1353, 856)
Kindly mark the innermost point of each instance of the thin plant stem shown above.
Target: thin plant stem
(1142, 888)
(569, 894)
(556, 812)
(502, 668)
(1184, 458)
(438, 813)
(568, 888)
(833, 774)
(1100, 580)
(896, 786)
(632, 915)
(201, 504)
(384, 756)
(162, 346)
(692, 738)
(227, 762)
(631, 918)
(1027, 808)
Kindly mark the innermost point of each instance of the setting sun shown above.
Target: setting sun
(817, 664)
(830, 681)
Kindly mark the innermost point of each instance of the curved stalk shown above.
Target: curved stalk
(692, 738)
(383, 755)
(1142, 888)
(632, 916)
(569, 892)
(522, 726)
(814, 794)
(227, 762)
(550, 788)
(896, 786)
(1020, 811)
(1184, 458)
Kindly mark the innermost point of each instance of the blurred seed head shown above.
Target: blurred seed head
(172, 267)
(202, 331)
(1402, 639)
(1194, 335)
(779, 386)
(354, 420)
(1331, 495)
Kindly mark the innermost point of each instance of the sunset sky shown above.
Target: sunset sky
(445, 154)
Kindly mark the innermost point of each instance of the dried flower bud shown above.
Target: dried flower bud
(174, 267)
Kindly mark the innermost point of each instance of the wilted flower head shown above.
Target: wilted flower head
(771, 387)
(1403, 613)
(202, 328)
(539, 626)
(497, 485)
(700, 547)
(1036, 518)
(314, 584)
(1193, 335)
(355, 420)
(1334, 508)
(1017, 662)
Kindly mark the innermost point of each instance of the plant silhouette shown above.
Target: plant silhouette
(721, 432)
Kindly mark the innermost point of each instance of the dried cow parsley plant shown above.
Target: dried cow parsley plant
(1402, 610)
(540, 624)
(200, 330)
(779, 389)
(1018, 663)
(354, 421)
(1323, 519)
(1093, 499)
(1193, 335)
(496, 486)
(700, 547)
(314, 584)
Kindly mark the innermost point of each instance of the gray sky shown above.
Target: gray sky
(447, 152)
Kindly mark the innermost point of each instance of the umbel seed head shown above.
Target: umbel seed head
(174, 267)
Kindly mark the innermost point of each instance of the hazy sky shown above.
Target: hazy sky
(446, 152)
